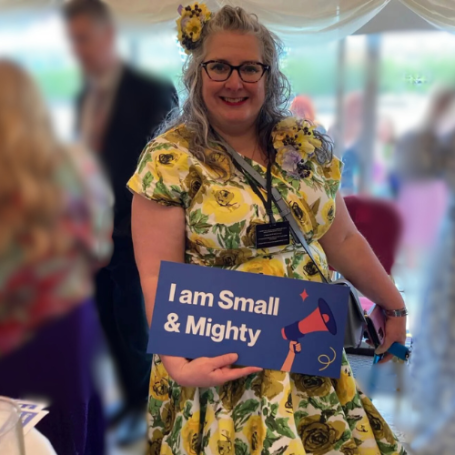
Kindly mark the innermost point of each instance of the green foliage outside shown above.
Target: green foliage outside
(311, 71)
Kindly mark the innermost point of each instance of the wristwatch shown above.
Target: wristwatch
(396, 313)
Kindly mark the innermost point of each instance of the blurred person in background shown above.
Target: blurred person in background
(384, 179)
(351, 135)
(55, 231)
(303, 107)
(118, 111)
(434, 352)
(422, 192)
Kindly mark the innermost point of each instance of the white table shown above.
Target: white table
(37, 444)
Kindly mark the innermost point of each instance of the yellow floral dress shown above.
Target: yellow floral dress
(270, 413)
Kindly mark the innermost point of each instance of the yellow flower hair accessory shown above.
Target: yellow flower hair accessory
(190, 25)
(295, 143)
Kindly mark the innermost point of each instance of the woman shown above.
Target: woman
(434, 357)
(192, 205)
(55, 228)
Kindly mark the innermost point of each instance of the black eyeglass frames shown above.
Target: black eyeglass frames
(250, 72)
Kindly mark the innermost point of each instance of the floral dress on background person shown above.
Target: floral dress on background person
(271, 412)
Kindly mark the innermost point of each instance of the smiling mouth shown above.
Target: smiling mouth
(233, 101)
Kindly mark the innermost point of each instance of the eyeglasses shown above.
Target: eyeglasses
(250, 72)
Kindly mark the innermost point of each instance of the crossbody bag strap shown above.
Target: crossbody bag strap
(281, 204)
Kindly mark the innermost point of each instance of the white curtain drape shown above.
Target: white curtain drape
(295, 21)
(11, 5)
(440, 13)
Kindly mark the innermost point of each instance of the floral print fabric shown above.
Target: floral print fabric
(272, 412)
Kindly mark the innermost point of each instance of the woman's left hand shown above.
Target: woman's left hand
(395, 331)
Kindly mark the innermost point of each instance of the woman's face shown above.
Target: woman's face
(233, 105)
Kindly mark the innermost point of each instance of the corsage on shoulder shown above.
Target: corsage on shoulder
(190, 25)
(295, 144)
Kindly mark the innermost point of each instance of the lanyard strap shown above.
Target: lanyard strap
(283, 208)
(266, 202)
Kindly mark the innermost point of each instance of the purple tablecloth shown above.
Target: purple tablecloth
(57, 365)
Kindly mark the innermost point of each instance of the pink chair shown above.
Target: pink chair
(379, 221)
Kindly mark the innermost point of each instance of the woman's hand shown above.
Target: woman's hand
(395, 331)
(205, 371)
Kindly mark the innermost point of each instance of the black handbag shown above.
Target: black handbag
(356, 322)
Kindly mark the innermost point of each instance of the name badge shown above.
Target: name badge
(272, 234)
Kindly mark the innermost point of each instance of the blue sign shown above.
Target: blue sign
(270, 322)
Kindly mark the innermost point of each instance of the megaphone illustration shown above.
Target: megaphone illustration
(320, 320)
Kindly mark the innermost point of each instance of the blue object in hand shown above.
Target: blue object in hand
(398, 350)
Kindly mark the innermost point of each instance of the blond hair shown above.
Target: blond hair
(29, 195)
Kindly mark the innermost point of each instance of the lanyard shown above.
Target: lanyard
(266, 202)
(282, 206)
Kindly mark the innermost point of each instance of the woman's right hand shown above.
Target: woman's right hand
(205, 371)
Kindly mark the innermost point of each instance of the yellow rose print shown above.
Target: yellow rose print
(168, 416)
(222, 213)
(170, 158)
(226, 204)
(155, 443)
(159, 383)
(350, 448)
(166, 161)
(312, 386)
(307, 269)
(179, 136)
(135, 183)
(255, 433)
(218, 164)
(273, 267)
(268, 383)
(380, 428)
(194, 183)
(209, 418)
(328, 212)
(319, 437)
(222, 441)
(362, 430)
(333, 170)
(190, 434)
(302, 213)
(165, 449)
(345, 387)
(249, 239)
(230, 258)
(295, 448)
(286, 406)
(204, 241)
(231, 393)
(371, 451)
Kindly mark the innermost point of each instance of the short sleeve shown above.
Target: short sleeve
(161, 173)
(332, 173)
(321, 202)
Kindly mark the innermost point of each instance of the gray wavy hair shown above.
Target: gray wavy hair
(277, 87)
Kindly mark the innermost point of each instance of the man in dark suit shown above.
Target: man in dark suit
(118, 112)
